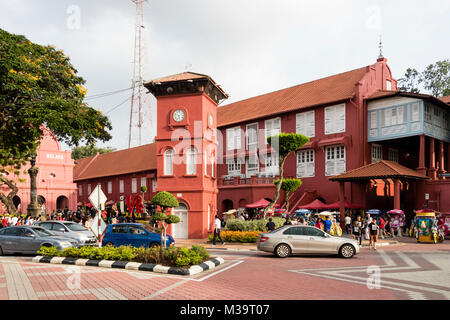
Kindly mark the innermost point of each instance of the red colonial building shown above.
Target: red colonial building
(354, 120)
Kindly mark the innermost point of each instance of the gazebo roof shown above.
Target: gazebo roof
(380, 170)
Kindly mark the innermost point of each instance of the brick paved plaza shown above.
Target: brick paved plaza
(408, 271)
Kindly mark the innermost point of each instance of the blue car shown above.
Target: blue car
(133, 234)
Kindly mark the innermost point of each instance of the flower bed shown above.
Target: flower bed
(238, 236)
(173, 256)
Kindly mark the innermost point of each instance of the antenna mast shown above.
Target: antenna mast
(137, 95)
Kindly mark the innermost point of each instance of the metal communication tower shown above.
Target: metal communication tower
(137, 94)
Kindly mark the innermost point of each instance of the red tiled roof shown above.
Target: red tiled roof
(181, 77)
(336, 88)
(125, 161)
(380, 170)
(445, 99)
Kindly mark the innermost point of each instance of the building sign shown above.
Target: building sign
(55, 156)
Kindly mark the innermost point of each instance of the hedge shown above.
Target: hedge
(173, 256)
(238, 236)
(252, 225)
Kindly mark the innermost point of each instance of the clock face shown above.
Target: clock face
(210, 119)
(178, 115)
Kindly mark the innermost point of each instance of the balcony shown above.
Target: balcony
(243, 181)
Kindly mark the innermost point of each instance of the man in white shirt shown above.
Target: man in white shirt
(14, 220)
(217, 227)
(348, 224)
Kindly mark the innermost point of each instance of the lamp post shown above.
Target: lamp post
(33, 208)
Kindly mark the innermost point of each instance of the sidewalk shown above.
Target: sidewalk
(252, 246)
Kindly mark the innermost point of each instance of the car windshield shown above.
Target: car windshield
(75, 227)
(41, 232)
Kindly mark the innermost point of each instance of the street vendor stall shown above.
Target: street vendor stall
(336, 229)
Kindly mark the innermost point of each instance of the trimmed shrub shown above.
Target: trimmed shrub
(238, 236)
(252, 225)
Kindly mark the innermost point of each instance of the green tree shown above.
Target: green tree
(410, 82)
(88, 151)
(436, 78)
(285, 144)
(164, 200)
(289, 186)
(40, 90)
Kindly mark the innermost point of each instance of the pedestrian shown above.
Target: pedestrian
(382, 226)
(5, 221)
(373, 229)
(14, 220)
(356, 231)
(217, 227)
(327, 225)
(348, 224)
(359, 224)
(270, 225)
(288, 221)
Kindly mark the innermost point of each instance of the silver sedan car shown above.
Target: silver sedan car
(299, 239)
(29, 239)
(70, 229)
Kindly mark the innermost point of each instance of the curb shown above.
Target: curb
(207, 265)
(391, 243)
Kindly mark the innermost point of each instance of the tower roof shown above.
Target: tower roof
(185, 83)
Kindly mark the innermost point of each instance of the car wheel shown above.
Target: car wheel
(47, 245)
(154, 245)
(109, 244)
(283, 251)
(347, 251)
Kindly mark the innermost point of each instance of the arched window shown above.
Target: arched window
(168, 162)
(191, 166)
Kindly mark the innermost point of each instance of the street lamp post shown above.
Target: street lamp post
(33, 208)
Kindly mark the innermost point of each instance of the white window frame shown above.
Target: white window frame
(206, 163)
(377, 152)
(272, 164)
(335, 156)
(272, 127)
(234, 138)
(234, 166)
(191, 161)
(168, 162)
(393, 155)
(89, 188)
(251, 142)
(109, 187)
(305, 163)
(143, 182)
(252, 169)
(133, 185)
(305, 123)
(121, 186)
(154, 184)
(334, 118)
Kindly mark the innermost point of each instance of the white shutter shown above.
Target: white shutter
(329, 120)
(230, 139)
(373, 120)
(310, 124)
(133, 185)
(340, 118)
(387, 117)
(300, 123)
(237, 137)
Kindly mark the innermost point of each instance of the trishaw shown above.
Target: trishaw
(444, 223)
(302, 213)
(397, 221)
(335, 229)
(425, 227)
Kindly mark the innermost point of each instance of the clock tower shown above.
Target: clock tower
(186, 148)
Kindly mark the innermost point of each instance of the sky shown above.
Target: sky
(249, 47)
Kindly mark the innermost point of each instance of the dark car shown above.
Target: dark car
(133, 234)
(29, 239)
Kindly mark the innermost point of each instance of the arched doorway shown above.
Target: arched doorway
(17, 202)
(62, 202)
(227, 204)
(242, 203)
(41, 204)
(180, 229)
